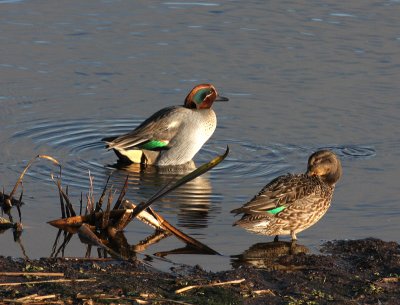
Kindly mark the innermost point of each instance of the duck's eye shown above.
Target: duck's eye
(209, 92)
(315, 161)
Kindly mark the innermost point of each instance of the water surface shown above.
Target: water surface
(300, 76)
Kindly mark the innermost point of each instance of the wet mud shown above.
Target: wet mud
(345, 272)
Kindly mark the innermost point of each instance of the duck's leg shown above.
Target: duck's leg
(293, 242)
(276, 238)
(292, 246)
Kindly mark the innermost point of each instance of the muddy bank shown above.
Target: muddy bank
(346, 272)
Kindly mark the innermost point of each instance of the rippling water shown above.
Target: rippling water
(300, 76)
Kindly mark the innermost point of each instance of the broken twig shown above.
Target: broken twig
(47, 281)
(31, 274)
(187, 288)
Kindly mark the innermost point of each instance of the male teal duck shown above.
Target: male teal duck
(292, 203)
(172, 135)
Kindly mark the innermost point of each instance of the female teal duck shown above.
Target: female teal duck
(291, 203)
(172, 135)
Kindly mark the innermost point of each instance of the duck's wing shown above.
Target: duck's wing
(153, 134)
(279, 194)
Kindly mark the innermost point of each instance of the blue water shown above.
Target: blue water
(299, 75)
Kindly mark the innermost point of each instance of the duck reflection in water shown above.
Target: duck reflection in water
(190, 203)
(268, 255)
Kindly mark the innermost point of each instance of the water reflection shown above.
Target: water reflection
(76, 143)
(103, 227)
(17, 229)
(115, 244)
(81, 138)
(194, 204)
(267, 255)
(191, 202)
(105, 230)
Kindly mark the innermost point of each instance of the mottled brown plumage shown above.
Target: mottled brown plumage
(292, 203)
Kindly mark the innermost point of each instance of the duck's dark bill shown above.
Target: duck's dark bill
(221, 99)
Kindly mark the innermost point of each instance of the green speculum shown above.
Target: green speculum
(276, 210)
(154, 144)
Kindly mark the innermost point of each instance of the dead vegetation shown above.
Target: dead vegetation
(102, 223)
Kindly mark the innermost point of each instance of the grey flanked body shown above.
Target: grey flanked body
(192, 128)
(292, 203)
(173, 135)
